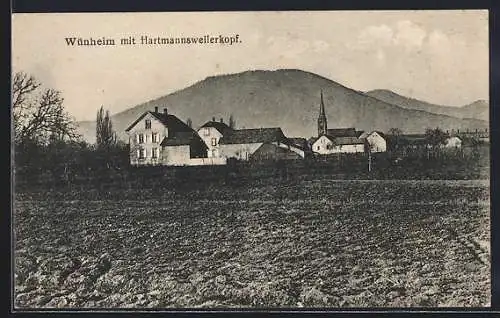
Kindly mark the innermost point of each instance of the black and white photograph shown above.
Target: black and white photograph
(284, 160)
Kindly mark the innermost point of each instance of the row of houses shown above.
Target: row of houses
(160, 138)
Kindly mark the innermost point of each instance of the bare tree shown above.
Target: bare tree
(38, 115)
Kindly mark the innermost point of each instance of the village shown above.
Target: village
(160, 138)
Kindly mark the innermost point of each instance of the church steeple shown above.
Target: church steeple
(322, 124)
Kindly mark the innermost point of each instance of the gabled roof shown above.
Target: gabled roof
(173, 123)
(221, 127)
(273, 151)
(382, 134)
(342, 132)
(181, 139)
(299, 142)
(366, 134)
(348, 141)
(247, 136)
(344, 140)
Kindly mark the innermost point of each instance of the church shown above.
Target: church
(338, 140)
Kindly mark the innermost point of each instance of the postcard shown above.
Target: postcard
(251, 160)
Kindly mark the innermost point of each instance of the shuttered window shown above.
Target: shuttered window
(141, 153)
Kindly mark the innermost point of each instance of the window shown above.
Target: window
(214, 141)
(318, 148)
(141, 153)
(140, 138)
(148, 123)
(154, 137)
(154, 153)
(206, 131)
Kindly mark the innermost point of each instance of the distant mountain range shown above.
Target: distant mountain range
(290, 99)
(478, 109)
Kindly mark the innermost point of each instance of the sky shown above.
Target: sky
(437, 56)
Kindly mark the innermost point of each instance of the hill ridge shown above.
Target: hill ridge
(478, 109)
(286, 98)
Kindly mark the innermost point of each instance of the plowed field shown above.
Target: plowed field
(322, 243)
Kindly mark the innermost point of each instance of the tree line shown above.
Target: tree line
(45, 138)
(46, 141)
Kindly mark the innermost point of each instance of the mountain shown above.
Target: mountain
(478, 109)
(283, 98)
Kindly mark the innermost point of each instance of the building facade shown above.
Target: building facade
(211, 133)
(163, 139)
(375, 140)
(326, 145)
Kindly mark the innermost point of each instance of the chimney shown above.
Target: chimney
(221, 120)
(213, 118)
(165, 111)
(156, 109)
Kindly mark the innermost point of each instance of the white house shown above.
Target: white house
(375, 140)
(453, 142)
(211, 133)
(163, 139)
(326, 145)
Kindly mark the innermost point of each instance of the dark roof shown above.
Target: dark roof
(382, 134)
(347, 140)
(246, 136)
(299, 142)
(181, 139)
(344, 140)
(173, 123)
(371, 132)
(359, 133)
(221, 127)
(268, 151)
(342, 132)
